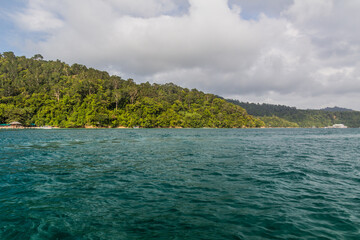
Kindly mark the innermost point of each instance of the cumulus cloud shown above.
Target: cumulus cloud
(38, 17)
(302, 52)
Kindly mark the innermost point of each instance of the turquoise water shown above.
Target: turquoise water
(180, 184)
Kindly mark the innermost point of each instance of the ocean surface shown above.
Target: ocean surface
(180, 184)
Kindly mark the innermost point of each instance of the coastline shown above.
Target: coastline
(122, 127)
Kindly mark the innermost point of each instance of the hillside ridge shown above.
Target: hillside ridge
(38, 92)
(285, 116)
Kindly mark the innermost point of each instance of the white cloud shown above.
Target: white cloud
(142, 8)
(299, 52)
(38, 17)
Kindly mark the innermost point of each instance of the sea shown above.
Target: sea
(180, 184)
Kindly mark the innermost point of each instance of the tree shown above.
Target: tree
(37, 57)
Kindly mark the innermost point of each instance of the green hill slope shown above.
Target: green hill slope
(34, 91)
(303, 118)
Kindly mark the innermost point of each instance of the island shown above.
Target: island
(35, 92)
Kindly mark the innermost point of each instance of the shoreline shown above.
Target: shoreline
(122, 127)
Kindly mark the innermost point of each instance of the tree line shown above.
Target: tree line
(284, 116)
(38, 92)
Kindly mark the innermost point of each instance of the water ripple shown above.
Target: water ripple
(180, 184)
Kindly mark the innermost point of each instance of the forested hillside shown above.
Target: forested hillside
(336, 109)
(34, 91)
(303, 118)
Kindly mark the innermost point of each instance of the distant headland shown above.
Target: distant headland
(35, 92)
(40, 94)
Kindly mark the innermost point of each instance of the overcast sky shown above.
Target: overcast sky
(303, 53)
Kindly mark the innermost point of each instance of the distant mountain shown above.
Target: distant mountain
(264, 109)
(284, 116)
(336, 109)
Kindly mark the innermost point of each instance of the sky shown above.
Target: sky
(302, 53)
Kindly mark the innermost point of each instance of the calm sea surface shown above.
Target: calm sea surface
(180, 184)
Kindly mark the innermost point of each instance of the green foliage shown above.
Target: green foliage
(275, 121)
(303, 118)
(56, 94)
